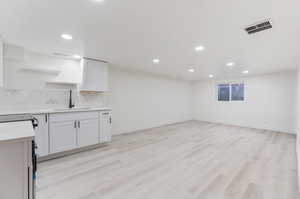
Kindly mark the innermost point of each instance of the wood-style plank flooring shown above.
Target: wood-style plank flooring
(192, 160)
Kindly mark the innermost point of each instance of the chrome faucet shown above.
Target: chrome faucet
(71, 104)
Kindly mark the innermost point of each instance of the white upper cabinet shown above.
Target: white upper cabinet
(1, 64)
(95, 76)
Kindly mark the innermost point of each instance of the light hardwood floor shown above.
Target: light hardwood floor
(182, 161)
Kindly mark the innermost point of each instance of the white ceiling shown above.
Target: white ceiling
(130, 33)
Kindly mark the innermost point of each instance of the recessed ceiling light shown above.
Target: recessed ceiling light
(199, 48)
(191, 70)
(245, 72)
(230, 64)
(76, 56)
(210, 76)
(67, 36)
(156, 61)
(99, 1)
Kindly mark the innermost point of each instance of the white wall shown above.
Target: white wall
(141, 101)
(270, 103)
(298, 126)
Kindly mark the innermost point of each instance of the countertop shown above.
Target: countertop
(55, 110)
(12, 131)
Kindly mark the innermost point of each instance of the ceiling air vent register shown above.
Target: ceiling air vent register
(259, 26)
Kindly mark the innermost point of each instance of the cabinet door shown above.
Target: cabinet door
(105, 126)
(62, 136)
(42, 135)
(88, 132)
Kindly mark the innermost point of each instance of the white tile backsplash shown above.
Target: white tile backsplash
(21, 99)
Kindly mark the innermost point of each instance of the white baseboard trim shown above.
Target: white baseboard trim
(146, 129)
(245, 126)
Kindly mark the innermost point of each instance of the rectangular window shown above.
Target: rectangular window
(231, 92)
(223, 92)
(237, 92)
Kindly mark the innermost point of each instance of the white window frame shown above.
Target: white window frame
(229, 82)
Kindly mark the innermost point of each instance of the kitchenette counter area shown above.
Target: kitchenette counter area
(63, 131)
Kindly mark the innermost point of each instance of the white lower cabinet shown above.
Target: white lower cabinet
(42, 135)
(88, 132)
(105, 118)
(59, 132)
(69, 131)
(62, 136)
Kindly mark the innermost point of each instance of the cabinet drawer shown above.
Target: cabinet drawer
(58, 117)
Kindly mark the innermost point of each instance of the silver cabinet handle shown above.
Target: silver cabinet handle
(78, 124)
(110, 120)
(105, 113)
(75, 124)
